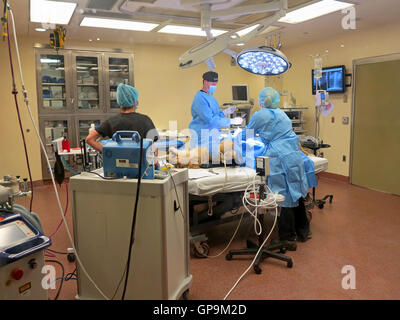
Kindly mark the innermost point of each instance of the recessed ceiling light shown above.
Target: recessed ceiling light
(90, 40)
(51, 11)
(98, 39)
(314, 10)
(117, 24)
(189, 31)
(40, 29)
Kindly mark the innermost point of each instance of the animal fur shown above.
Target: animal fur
(194, 158)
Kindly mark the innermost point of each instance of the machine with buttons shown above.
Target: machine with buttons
(22, 245)
(21, 258)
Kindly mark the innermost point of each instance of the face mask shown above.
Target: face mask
(212, 89)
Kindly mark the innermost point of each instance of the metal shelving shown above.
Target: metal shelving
(296, 115)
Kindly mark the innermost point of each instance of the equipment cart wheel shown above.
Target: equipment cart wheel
(228, 257)
(257, 269)
(201, 250)
(290, 264)
(321, 205)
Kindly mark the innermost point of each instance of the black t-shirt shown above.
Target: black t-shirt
(128, 122)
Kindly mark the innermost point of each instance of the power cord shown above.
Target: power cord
(261, 246)
(132, 237)
(15, 92)
(62, 278)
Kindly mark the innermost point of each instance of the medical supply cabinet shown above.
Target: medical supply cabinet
(76, 88)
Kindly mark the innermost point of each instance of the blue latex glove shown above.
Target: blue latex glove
(237, 121)
(229, 111)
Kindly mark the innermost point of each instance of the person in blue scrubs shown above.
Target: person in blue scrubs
(287, 174)
(207, 117)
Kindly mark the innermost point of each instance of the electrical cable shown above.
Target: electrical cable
(132, 237)
(47, 158)
(260, 248)
(51, 255)
(70, 275)
(62, 279)
(119, 284)
(58, 252)
(67, 166)
(65, 212)
(105, 178)
(240, 221)
(177, 197)
(227, 246)
(15, 92)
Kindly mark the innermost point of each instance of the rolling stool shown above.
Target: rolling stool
(266, 252)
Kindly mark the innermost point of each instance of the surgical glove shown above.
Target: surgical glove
(237, 132)
(229, 111)
(236, 121)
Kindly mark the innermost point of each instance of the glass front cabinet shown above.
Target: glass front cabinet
(76, 89)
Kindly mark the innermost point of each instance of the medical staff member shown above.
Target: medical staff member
(207, 115)
(287, 175)
(127, 120)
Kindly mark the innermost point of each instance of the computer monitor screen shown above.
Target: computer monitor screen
(333, 80)
(240, 93)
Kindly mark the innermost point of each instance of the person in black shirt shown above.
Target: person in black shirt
(127, 120)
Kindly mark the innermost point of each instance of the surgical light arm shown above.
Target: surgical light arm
(213, 46)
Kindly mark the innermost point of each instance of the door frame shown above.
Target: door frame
(358, 62)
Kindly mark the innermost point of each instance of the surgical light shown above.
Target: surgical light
(263, 60)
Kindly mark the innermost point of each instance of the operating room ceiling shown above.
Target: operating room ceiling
(370, 14)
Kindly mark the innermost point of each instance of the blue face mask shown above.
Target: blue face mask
(212, 89)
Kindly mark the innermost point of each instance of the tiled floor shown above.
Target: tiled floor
(361, 228)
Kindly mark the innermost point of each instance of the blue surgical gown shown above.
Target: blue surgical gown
(206, 115)
(309, 168)
(287, 175)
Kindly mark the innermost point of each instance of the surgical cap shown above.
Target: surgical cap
(127, 96)
(269, 98)
(210, 76)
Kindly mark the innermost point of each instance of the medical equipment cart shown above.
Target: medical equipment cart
(102, 219)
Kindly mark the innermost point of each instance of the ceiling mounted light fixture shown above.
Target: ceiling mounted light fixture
(314, 10)
(117, 24)
(263, 60)
(53, 12)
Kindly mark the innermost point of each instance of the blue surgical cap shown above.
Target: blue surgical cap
(127, 96)
(269, 98)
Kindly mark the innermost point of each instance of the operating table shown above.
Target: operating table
(215, 197)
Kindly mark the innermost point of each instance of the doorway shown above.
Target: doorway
(375, 144)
